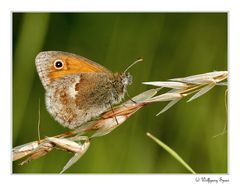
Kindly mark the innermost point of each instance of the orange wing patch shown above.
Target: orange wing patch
(74, 64)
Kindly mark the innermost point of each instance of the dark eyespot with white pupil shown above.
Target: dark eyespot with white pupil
(58, 64)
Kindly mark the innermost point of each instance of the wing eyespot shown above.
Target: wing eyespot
(58, 64)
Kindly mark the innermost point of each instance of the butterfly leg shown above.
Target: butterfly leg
(113, 113)
(130, 98)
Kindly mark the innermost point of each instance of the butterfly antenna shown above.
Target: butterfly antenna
(134, 63)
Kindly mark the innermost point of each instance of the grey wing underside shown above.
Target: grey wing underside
(86, 97)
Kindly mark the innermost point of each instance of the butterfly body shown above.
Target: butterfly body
(77, 89)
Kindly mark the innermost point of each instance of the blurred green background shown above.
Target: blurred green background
(171, 44)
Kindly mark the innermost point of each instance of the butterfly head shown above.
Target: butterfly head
(120, 83)
(126, 78)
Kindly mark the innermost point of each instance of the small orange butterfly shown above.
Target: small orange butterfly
(78, 89)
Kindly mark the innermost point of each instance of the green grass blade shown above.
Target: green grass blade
(171, 152)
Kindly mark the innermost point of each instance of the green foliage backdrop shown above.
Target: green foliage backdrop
(171, 44)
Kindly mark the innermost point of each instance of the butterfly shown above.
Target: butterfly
(78, 89)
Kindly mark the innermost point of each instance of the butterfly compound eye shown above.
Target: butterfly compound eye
(58, 64)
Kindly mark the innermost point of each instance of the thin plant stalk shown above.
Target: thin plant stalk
(171, 152)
